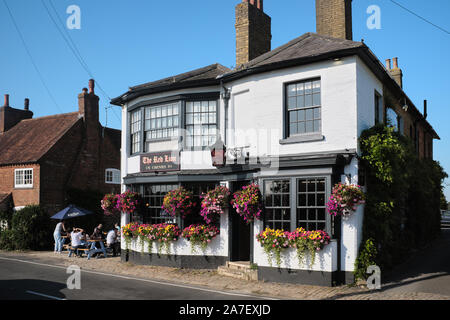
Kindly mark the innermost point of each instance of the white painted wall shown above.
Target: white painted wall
(257, 103)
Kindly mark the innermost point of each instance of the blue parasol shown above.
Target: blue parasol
(71, 212)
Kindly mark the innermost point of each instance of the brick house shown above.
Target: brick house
(290, 119)
(42, 158)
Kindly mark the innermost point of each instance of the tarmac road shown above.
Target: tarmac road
(22, 279)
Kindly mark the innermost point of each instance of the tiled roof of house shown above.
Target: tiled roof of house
(308, 45)
(3, 197)
(31, 139)
(197, 76)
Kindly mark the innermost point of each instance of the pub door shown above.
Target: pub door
(240, 231)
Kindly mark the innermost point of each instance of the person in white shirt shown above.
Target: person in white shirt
(77, 238)
(111, 241)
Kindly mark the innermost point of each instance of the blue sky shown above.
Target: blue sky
(126, 43)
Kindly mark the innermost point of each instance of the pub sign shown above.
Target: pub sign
(160, 161)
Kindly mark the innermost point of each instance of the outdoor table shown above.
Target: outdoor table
(93, 248)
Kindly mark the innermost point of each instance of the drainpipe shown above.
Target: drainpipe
(226, 98)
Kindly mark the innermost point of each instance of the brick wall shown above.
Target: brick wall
(334, 18)
(20, 197)
(253, 32)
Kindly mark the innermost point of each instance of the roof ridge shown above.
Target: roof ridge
(277, 50)
(53, 116)
(181, 76)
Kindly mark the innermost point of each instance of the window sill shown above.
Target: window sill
(303, 138)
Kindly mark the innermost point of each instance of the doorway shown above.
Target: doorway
(239, 231)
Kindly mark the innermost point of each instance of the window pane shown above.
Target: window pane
(292, 91)
(292, 103)
(316, 99)
(308, 100)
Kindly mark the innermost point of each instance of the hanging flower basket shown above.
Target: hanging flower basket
(214, 203)
(247, 203)
(109, 204)
(200, 235)
(128, 202)
(344, 199)
(179, 202)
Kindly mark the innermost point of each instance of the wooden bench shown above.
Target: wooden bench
(72, 250)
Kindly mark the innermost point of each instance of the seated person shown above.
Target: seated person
(97, 234)
(111, 241)
(77, 238)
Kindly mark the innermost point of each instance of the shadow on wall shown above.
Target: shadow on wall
(19, 289)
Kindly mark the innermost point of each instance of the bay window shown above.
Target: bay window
(201, 123)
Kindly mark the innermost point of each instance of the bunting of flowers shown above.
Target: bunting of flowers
(214, 203)
(248, 203)
(200, 235)
(344, 199)
(179, 202)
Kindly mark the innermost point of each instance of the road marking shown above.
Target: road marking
(146, 280)
(44, 295)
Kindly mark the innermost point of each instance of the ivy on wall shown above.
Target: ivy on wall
(402, 199)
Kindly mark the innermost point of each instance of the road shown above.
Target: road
(22, 279)
(427, 272)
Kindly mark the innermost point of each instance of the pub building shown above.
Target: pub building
(286, 119)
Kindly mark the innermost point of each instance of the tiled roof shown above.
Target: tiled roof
(3, 197)
(31, 139)
(308, 45)
(205, 73)
(195, 77)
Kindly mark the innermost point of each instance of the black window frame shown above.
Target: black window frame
(293, 190)
(286, 110)
(185, 122)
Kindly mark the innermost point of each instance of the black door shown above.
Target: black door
(239, 231)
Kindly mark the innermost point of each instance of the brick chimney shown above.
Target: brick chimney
(395, 71)
(9, 117)
(334, 18)
(88, 104)
(253, 31)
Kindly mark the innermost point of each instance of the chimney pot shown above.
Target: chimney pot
(425, 109)
(6, 100)
(85, 90)
(91, 85)
(26, 105)
(388, 64)
(260, 5)
(395, 60)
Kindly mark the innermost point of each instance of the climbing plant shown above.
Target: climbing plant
(402, 198)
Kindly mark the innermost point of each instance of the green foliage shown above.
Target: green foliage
(31, 229)
(403, 197)
(366, 258)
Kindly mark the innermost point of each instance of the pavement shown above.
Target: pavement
(43, 276)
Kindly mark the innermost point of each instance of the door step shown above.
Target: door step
(238, 270)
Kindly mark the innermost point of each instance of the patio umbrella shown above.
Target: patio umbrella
(71, 212)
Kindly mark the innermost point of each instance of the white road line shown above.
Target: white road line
(44, 295)
(145, 280)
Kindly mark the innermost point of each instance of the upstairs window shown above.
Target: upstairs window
(201, 123)
(394, 120)
(161, 122)
(112, 176)
(303, 107)
(135, 131)
(378, 108)
(23, 178)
